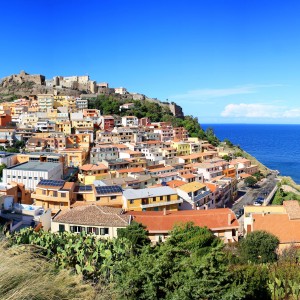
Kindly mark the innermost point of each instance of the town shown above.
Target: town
(81, 170)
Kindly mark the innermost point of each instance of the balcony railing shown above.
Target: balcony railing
(161, 203)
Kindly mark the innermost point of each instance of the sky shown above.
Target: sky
(233, 61)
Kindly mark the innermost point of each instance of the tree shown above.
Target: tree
(2, 167)
(226, 157)
(250, 181)
(258, 247)
(136, 234)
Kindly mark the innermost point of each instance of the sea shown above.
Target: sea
(276, 146)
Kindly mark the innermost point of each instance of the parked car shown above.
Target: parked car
(257, 203)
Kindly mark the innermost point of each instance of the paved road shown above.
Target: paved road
(262, 190)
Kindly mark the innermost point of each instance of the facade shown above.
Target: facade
(32, 172)
(222, 222)
(100, 221)
(149, 199)
(54, 194)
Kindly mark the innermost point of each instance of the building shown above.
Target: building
(54, 194)
(32, 172)
(156, 198)
(222, 222)
(195, 195)
(101, 221)
(281, 220)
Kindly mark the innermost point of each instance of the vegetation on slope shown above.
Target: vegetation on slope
(24, 275)
(191, 264)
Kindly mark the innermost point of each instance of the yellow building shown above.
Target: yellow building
(75, 157)
(89, 173)
(54, 194)
(149, 199)
(182, 148)
(63, 126)
(66, 101)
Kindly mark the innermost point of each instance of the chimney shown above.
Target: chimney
(165, 211)
(229, 219)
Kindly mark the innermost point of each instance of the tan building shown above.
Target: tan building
(54, 194)
(281, 220)
(222, 222)
(100, 221)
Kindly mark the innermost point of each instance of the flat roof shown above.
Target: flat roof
(34, 166)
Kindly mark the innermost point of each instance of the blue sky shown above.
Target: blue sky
(222, 61)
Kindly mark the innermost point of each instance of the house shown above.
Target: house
(54, 194)
(107, 122)
(281, 220)
(156, 198)
(88, 173)
(222, 222)
(195, 195)
(99, 220)
(128, 121)
(103, 152)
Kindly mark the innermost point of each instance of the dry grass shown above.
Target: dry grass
(25, 277)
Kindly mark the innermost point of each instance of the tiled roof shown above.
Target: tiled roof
(91, 167)
(175, 183)
(93, 215)
(292, 208)
(214, 219)
(278, 224)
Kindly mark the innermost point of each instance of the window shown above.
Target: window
(54, 193)
(104, 231)
(44, 192)
(61, 227)
(161, 198)
(19, 177)
(63, 195)
(113, 197)
(24, 177)
(35, 178)
(168, 198)
(29, 177)
(93, 230)
(131, 201)
(154, 199)
(76, 229)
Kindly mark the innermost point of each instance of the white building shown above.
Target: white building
(30, 173)
(129, 121)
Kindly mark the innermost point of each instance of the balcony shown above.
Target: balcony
(40, 197)
(156, 204)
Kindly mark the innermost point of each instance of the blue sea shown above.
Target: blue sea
(276, 146)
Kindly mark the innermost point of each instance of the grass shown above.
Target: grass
(24, 275)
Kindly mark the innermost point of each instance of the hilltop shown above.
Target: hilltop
(23, 85)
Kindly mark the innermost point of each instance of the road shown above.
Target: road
(261, 190)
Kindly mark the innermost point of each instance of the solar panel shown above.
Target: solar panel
(85, 188)
(51, 182)
(108, 189)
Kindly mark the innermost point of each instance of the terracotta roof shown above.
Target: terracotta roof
(175, 183)
(131, 170)
(91, 167)
(211, 186)
(188, 176)
(214, 219)
(278, 224)
(68, 185)
(93, 215)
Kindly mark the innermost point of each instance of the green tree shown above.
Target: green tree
(227, 158)
(258, 247)
(137, 235)
(250, 181)
(2, 167)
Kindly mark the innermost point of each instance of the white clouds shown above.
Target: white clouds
(203, 94)
(259, 110)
